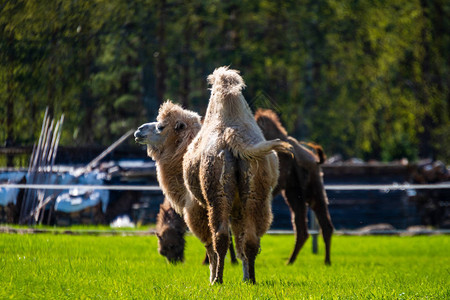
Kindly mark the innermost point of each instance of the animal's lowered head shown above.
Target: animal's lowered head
(170, 230)
(171, 244)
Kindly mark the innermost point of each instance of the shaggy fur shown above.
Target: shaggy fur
(300, 183)
(223, 186)
(311, 176)
(170, 230)
(231, 171)
(167, 141)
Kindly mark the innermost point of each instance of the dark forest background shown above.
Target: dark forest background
(367, 79)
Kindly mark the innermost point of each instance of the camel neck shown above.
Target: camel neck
(170, 178)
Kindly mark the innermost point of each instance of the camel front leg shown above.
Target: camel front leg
(196, 218)
(221, 242)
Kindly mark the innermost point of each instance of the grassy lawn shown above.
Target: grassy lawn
(49, 266)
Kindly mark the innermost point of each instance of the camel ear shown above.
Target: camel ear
(180, 125)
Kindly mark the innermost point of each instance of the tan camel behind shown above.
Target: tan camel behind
(167, 140)
(231, 170)
(246, 198)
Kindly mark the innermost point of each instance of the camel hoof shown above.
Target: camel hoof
(217, 281)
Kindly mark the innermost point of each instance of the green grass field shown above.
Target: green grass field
(49, 266)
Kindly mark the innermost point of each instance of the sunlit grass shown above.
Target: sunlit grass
(48, 266)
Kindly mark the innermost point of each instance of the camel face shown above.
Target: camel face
(150, 134)
(168, 137)
(153, 135)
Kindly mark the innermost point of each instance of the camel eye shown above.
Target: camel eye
(160, 127)
(180, 125)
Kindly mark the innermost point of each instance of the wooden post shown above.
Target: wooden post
(108, 150)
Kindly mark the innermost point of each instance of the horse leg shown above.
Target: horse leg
(323, 216)
(298, 209)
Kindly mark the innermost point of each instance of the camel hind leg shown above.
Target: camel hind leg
(221, 241)
(251, 217)
(247, 248)
(232, 252)
(233, 258)
(219, 192)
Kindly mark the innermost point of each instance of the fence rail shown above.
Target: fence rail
(334, 187)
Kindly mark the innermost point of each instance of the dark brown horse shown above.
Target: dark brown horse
(300, 183)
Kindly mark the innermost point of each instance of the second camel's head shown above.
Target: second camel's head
(172, 132)
(170, 230)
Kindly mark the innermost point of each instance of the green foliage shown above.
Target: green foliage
(44, 266)
(366, 79)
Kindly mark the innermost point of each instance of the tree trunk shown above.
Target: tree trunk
(185, 67)
(161, 65)
(10, 141)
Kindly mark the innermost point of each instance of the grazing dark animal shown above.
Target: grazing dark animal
(300, 182)
(170, 230)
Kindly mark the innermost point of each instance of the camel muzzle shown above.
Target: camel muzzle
(141, 134)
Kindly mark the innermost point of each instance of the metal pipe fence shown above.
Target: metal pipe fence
(334, 187)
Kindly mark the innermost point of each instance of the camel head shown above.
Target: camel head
(170, 230)
(171, 245)
(172, 132)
